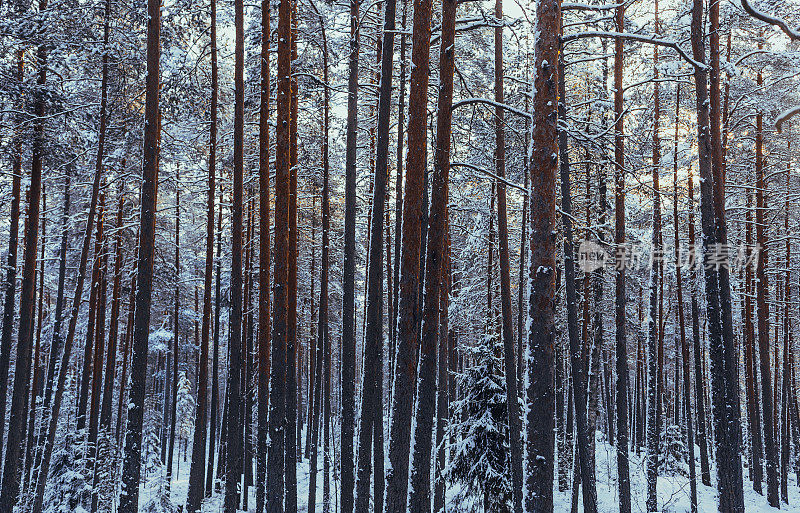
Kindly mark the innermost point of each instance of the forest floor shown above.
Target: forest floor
(673, 489)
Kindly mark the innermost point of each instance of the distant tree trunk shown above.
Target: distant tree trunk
(113, 334)
(263, 262)
(751, 376)
(687, 381)
(175, 336)
(699, 376)
(654, 352)
(234, 441)
(55, 342)
(420, 493)
(398, 212)
(348, 356)
(9, 293)
(624, 479)
(18, 416)
(36, 380)
(88, 346)
(541, 307)
(277, 406)
(762, 303)
(408, 306)
(99, 332)
(577, 358)
(215, 358)
(129, 499)
(786, 369)
(442, 383)
(372, 387)
(197, 483)
(514, 422)
(290, 467)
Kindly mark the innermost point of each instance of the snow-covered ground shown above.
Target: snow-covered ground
(673, 490)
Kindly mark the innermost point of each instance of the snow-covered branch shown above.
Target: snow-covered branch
(491, 103)
(636, 37)
(782, 24)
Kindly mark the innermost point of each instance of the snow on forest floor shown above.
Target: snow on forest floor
(673, 490)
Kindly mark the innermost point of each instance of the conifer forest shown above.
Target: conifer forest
(399, 256)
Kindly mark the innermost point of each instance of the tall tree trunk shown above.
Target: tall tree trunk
(509, 359)
(234, 441)
(277, 406)
(762, 303)
(687, 381)
(348, 356)
(129, 499)
(263, 262)
(619, 239)
(176, 333)
(212, 422)
(541, 306)
(751, 376)
(699, 376)
(290, 467)
(654, 352)
(729, 469)
(99, 332)
(9, 293)
(198, 485)
(420, 493)
(786, 369)
(17, 421)
(371, 395)
(409, 289)
(398, 211)
(577, 358)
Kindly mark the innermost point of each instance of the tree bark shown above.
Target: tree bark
(577, 358)
(541, 306)
(277, 407)
(619, 239)
(348, 357)
(408, 307)
(420, 493)
(509, 359)
(129, 498)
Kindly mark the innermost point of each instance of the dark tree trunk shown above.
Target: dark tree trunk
(687, 381)
(263, 262)
(212, 422)
(577, 358)
(290, 467)
(762, 303)
(654, 351)
(371, 396)
(198, 485)
(277, 405)
(348, 358)
(234, 441)
(18, 416)
(408, 306)
(509, 359)
(541, 306)
(619, 239)
(420, 493)
(129, 499)
(729, 477)
(9, 293)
